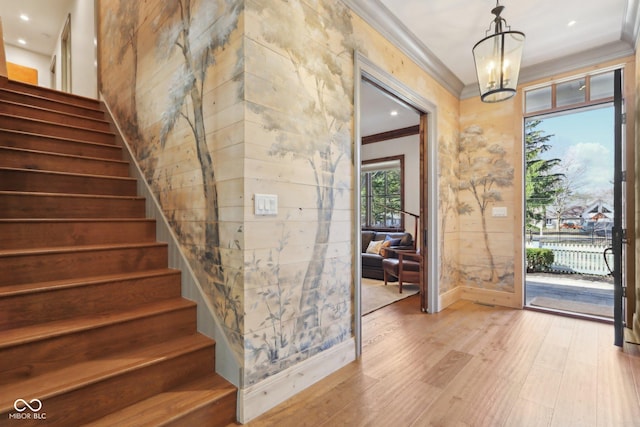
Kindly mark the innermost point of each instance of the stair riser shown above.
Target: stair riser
(53, 94)
(49, 104)
(43, 182)
(44, 267)
(220, 413)
(58, 304)
(13, 158)
(53, 116)
(96, 400)
(43, 206)
(60, 146)
(21, 362)
(54, 129)
(32, 234)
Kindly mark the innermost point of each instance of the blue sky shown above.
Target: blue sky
(584, 141)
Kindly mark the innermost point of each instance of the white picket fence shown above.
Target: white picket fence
(578, 258)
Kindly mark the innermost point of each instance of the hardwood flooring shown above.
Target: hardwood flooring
(474, 365)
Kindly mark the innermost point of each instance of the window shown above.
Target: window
(382, 192)
(582, 91)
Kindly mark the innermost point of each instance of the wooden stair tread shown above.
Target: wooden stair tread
(169, 406)
(32, 333)
(48, 122)
(29, 288)
(53, 111)
(79, 196)
(28, 151)
(60, 138)
(68, 174)
(79, 375)
(62, 220)
(84, 248)
(69, 98)
(26, 95)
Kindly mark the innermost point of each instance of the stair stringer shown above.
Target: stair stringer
(227, 362)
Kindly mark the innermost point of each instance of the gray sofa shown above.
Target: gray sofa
(372, 262)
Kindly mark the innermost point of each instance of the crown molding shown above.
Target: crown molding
(382, 20)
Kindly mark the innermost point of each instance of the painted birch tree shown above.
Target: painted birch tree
(196, 30)
(449, 200)
(483, 171)
(315, 128)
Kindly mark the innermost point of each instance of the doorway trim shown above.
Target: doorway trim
(365, 68)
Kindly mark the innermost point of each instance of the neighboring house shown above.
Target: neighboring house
(598, 211)
(569, 218)
(580, 216)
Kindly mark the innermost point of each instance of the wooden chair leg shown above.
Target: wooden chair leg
(400, 278)
(384, 273)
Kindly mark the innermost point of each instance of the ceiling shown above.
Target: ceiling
(440, 34)
(40, 32)
(437, 34)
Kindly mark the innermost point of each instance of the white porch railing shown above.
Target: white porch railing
(578, 258)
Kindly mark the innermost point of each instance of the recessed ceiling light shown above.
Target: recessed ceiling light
(394, 112)
(24, 16)
(22, 41)
(571, 23)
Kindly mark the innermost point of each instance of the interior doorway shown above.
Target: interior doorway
(390, 194)
(425, 224)
(65, 54)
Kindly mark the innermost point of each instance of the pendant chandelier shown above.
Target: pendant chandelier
(497, 59)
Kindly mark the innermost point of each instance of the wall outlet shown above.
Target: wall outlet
(499, 211)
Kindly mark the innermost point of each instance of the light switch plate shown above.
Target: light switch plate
(499, 211)
(265, 204)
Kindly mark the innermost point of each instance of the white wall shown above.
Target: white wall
(84, 74)
(410, 147)
(26, 58)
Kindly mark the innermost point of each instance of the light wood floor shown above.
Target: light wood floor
(474, 365)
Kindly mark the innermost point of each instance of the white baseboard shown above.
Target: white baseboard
(259, 398)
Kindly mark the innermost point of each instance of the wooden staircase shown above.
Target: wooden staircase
(92, 322)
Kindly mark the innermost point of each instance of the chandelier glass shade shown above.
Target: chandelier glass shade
(497, 58)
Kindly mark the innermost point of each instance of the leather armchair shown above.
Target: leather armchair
(406, 267)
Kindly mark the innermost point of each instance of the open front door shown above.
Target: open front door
(619, 226)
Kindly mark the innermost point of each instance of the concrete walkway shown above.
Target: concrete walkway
(569, 289)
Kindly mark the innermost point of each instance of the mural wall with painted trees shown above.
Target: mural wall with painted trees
(166, 74)
(300, 101)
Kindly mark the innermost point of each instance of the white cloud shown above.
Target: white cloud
(590, 163)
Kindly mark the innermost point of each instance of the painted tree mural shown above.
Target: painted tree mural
(196, 33)
(482, 172)
(450, 204)
(319, 108)
(124, 21)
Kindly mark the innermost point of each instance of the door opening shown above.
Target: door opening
(65, 54)
(574, 202)
(390, 197)
(425, 113)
